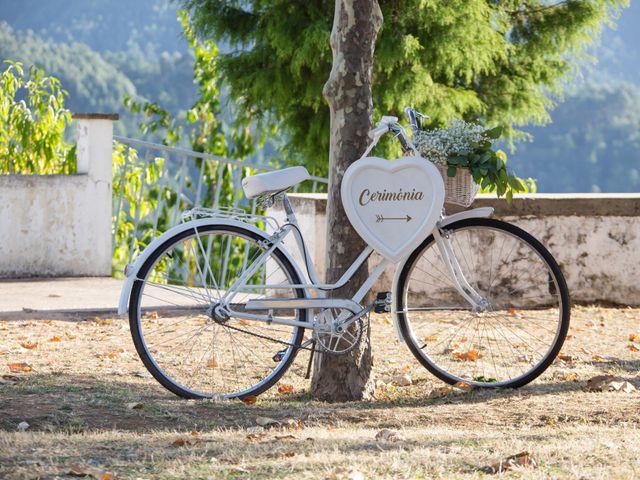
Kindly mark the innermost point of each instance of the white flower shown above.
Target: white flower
(441, 143)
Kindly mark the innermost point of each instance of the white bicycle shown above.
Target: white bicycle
(218, 307)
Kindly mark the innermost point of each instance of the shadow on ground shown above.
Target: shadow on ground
(79, 403)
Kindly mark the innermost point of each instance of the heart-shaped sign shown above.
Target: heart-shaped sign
(393, 205)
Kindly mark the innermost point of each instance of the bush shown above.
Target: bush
(32, 123)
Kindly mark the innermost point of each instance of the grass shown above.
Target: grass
(78, 397)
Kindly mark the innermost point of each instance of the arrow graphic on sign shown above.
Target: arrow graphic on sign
(382, 218)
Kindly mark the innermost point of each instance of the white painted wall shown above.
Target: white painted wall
(60, 225)
(594, 238)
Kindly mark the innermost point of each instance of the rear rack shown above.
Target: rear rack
(232, 213)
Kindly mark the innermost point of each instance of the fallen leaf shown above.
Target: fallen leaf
(569, 376)
(521, 460)
(431, 338)
(512, 311)
(466, 386)
(267, 422)
(291, 424)
(19, 367)
(56, 338)
(250, 400)
(256, 436)
(633, 348)
(213, 361)
(401, 380)
(470, 356)
(185, 441)
(113, 354)
(565, 358)
(29, 345)
(286, 437)
(285, 388)
(388, 436)
(135, 405)
(598, 358)
(152, 315)
(22, 426)
(440, 392)
(634, 337)
(609, 383)
(244, 322)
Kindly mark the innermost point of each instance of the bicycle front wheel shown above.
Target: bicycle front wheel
(188, 347)
(524, 317)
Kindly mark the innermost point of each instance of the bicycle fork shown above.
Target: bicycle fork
(460, 283)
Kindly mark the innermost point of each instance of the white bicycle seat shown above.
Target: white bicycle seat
(274, 182)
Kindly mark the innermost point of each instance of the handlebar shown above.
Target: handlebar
(390, 124)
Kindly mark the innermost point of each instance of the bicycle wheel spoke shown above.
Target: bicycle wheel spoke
(193, 343)
(511, 336)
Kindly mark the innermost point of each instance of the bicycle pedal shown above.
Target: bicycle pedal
(279, 355)
(382, 304)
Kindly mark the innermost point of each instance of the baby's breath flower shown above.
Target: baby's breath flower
(460, 138)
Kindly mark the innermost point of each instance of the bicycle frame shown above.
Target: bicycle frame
(321, 301)
(352, 305)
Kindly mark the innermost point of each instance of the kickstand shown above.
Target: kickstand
(313, 351)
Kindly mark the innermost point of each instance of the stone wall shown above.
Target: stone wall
(60, 225)
(594, 237)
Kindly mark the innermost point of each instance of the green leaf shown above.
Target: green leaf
(494, 132)
(451, 171)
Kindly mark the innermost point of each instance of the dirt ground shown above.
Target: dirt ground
(76, 401)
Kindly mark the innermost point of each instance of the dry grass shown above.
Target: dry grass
(78, 396)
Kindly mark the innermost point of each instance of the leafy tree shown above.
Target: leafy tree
(33, 120)
(494, 61)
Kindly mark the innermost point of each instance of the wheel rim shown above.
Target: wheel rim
(508, 344)
(191, 348)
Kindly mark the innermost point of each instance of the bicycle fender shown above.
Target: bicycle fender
(131, 271)
(481, 212)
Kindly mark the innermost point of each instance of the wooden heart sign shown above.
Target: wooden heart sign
(393, 205)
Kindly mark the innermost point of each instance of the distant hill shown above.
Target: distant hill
(149, 27)
(102, 52)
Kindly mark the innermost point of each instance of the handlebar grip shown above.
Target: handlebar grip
(378, 131)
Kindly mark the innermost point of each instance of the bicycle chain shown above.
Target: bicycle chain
(364, 328)
(266, 337)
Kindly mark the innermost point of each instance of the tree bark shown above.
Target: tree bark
(348, 91)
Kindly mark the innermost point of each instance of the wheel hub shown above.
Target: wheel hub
(218, 314)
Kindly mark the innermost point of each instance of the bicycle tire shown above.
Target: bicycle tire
(146, 353)
(437, 360)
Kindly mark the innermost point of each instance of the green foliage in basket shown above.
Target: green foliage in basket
(488, 167)
(468, 145)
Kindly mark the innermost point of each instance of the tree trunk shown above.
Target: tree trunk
(348, 92)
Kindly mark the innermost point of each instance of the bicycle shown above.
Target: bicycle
(475, 299)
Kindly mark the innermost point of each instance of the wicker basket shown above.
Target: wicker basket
(461, 189)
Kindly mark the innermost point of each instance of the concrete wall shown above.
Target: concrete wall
(60, 225)
(594, 237)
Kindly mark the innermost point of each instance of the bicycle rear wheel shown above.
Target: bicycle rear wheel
(187, 347)
(519, 332)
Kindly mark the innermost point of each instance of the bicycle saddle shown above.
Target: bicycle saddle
(274, 182)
